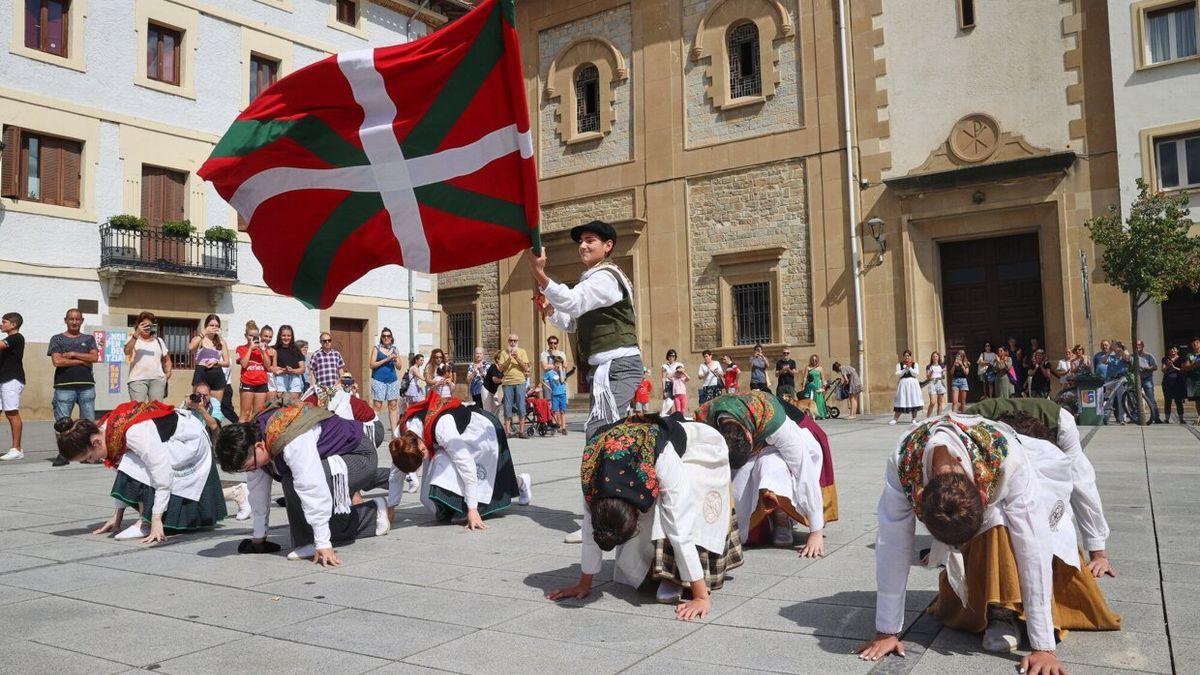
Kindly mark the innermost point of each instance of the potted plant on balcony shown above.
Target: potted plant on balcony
(218, 233)
(122, 237)
(128, 222)
(224, 240)
(180, 229)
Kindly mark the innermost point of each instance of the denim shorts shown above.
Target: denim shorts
(558, 403)
(514, 399)
(960, 384)
(288, 382)
(385, 391)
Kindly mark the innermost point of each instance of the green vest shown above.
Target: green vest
(607, 327)
(1045, 410)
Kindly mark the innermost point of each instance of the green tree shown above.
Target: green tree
(1149, 255)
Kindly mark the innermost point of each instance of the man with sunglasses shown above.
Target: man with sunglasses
(326, 364)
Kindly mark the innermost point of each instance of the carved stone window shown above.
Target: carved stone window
(582, 78)
(738, 37)
(587, 99)
(745, 67)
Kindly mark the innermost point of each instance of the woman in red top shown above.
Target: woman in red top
(731, 375)
(253, 359)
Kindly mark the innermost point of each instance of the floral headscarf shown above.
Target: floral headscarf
(619, 462)
(984, 443)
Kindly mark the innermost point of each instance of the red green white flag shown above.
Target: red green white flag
(418, 155)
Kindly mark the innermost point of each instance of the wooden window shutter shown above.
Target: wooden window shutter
(174, 191)
(10, 163)
(50, 161)
(152, 196)
(72, 174)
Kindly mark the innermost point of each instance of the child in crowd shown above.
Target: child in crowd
(731, 374)
(641, 397)
(556, 385)
(679, 382)
(12, 379)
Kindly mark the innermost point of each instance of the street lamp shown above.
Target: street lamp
(876, 226)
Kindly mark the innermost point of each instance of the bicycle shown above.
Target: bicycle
(1134, 399)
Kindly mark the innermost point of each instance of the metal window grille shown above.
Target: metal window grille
(175, 334)
(587, 99)
(462, 336)
(752, 312)
(745, 69)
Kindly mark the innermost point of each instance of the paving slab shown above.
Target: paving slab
(581, 625)
(24, 656)
(484, 651)
(260, 654)
(385, 636)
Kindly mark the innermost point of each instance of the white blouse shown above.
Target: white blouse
(308, 478)
(594, 290)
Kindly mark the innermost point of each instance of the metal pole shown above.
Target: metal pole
(1087, 298)
(852, 194)
(412, 322)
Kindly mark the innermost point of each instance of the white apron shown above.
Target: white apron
(191, 459)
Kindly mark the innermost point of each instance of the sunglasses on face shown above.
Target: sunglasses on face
(324, 341)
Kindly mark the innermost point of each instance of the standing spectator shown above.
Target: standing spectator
(385, 383)
(641, 397)
(265, 335)
(1191, 370)
(1005, 376)
(12, 379)
(1064, 370)
(986, 373)
(211, 357)
(731, 374)
(1021, 365)
(1147, 364)
(556, 387)
(493, 389)
(668, 383)
(326, 363)
(546, 358)
(960, 385)
(302, 345)
(73, 354)
(1040, 376)
(289, 364)
(853, 387)
(1101, 359)
(709, 373)
(785, 375)
(440, 374)
(476, 371)
(149, 361)
(414, 380)
(935, 372)
(679, 380)
(514, 363)
(1116, 369)
(908, 398)
(758, 370)
(252, 381)
(814, 386)
(1173, 386)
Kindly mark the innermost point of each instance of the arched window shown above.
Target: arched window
(587, 99)
(745, 68)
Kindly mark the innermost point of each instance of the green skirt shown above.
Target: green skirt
(182, 514)
(504, 490)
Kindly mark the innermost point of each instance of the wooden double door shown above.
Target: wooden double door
(991, 290)
(349, 339)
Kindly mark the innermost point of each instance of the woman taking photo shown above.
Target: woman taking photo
(668, 381)
(987, 375)
(476, 372)
(289, 365)
(212, 358)
(385, 382)
(149, 362)
(253, 361)
(959, 386)
(415, 392)
(935, 372)
(1173, 387)
(265, 335)
(1003, 369)
(908, 398)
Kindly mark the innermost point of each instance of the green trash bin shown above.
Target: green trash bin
(1091, 400)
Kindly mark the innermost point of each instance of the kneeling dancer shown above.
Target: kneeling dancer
(468, 468)
(975, 486)
(163, 459)
(321, 460)
(657, 491)
(782, 468)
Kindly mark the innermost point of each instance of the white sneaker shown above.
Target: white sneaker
(668, 593)
(303, 553)
(525, 485)
(242, 497)
(575, 537)
(138, 530)
(13, 453)
(382, 523)
(913, 423)
(411, 484)
(892, 422)
(1001, 635)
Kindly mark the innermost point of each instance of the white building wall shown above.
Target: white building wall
(43, 301)
(1008, 66)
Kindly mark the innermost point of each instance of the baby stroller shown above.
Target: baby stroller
(537, 414)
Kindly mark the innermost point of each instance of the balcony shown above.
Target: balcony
(149, 256)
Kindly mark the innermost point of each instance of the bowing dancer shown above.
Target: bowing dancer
(782, 468)
(348, 407)
(657, 491)
(322, 461)
(462, 452)
(1001, 520)
(163, 459)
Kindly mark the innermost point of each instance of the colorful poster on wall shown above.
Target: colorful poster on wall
(114, 378)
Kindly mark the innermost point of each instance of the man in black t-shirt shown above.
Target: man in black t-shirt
(73, 354)
(12, 379)
(785, 374)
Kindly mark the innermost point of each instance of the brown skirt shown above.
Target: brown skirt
(991, 574)
(768, 502)
(714, 566)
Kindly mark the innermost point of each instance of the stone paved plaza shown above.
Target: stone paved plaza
(431, 597)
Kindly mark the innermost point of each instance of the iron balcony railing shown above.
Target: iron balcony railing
(154, 251)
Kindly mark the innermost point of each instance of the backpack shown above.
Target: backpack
(405, 381)
(489, 380)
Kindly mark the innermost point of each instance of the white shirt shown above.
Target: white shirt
(1085, 497)
(802, 454)
(594, 291)
(934, 371)
(308, 478)
(459, 448)
(710, 374)
(142, 440)
(673, 517)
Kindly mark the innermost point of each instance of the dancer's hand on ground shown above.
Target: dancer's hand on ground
(696, 608)
(881, 646)
(1042, 663)
(326, 557)
(1099, 565)
(475, 521)
(579, 591)
(156, 532)
(815, 546)
(111, 525)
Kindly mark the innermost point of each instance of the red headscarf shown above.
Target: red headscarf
(121, 418)
(433, 407)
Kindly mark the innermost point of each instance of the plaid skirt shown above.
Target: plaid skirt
(715, 566)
